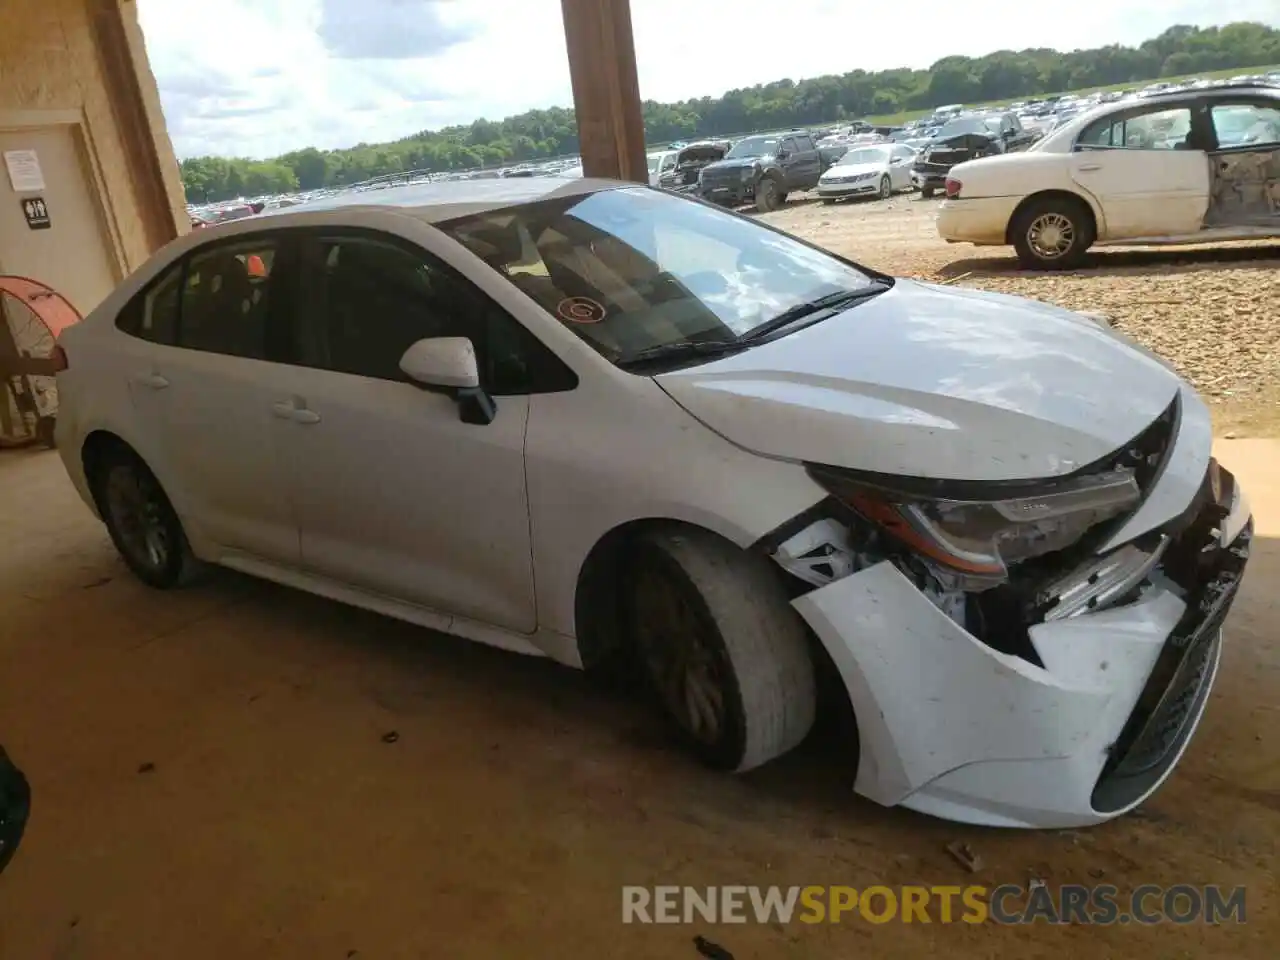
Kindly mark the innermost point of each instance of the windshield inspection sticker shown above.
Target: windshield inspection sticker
(580, 310)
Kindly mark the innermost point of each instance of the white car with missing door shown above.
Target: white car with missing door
(1189, 166)
(589, 420)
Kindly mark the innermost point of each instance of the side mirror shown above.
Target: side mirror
(448, 365)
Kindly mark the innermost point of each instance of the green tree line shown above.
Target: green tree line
(540, 134)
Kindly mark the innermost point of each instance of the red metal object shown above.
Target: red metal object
(51, 307)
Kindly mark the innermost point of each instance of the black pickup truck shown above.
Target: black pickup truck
(763, 169)
(967, 138)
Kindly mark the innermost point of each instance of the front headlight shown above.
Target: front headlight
(980, 538)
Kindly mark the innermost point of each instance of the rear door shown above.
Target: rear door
(204, 389)
(808, 162)
(1245, 163)
(1148, 169)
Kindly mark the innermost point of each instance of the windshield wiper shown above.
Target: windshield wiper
(810, 308)
(680, 350)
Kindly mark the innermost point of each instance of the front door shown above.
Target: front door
(204, 381)
(394, 493)
(67, 249)
(1146, 172)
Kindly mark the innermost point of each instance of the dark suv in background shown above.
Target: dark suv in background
(763, 169)
(967, 138)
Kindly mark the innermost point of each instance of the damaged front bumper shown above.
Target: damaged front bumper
(950, 726)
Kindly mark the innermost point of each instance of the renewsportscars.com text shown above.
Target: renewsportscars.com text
(1006, 904)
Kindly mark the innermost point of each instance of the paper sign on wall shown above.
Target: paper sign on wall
(24, 170)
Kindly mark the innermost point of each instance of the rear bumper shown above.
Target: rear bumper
(983, 220)
(951, 727)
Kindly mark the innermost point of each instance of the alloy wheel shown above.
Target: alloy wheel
(137, 507)
(1051, 235)
(681, 657)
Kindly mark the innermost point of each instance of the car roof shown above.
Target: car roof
(436, 202)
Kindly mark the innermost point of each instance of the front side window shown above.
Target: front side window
(1156, 130)
(226, 299)
(368, 299)
(1246, 124)
(632, 269)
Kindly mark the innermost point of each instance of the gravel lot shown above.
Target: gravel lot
(1214, 312)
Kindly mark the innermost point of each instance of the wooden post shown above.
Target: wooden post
(606, 92)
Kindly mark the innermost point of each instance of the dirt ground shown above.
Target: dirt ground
(215, 771)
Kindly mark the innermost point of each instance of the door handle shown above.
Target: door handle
(286, 410)
(154, 381)
(1089, 167)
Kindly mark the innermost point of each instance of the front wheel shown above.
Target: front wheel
(926, 192)
(767, 195)
(724, 652)
(1052, 234)
(886, 188)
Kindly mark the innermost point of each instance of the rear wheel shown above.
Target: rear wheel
(768, 196)
(142, 522)
(723, 650)
(1052, 233)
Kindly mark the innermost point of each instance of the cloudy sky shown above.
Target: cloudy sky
(260, 77)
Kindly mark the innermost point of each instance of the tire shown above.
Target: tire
(886, 188)
(721, 647)
(1052, 233)
(828, 202)
(927, 192)
(767, 195)
(142, 523)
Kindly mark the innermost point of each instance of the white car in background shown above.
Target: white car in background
(872, 171)
(1191, 166)
(589, 420)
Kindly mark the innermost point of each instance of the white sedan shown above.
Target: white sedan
(1191, 166)
(589, 420)
(875, 171)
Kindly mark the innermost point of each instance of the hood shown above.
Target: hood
(734, 163)
(928, 381)
(854, 169)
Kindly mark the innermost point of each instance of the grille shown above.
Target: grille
(722, 177)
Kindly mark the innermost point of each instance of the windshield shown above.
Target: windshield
(633, 269)
(753, 147)
(953, 128)
(864, 155)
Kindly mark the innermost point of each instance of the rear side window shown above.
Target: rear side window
(1157, 130)
(226, 299)
(153, 314)
(804, 143)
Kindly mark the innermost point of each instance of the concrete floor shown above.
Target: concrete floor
(211, 780)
